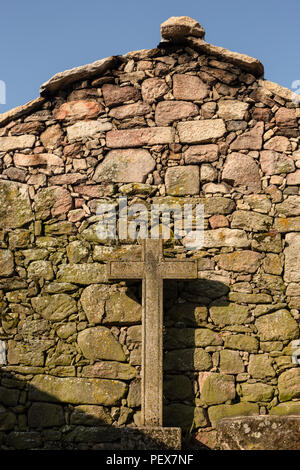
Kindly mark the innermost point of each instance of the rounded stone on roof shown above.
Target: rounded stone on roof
(178, 27)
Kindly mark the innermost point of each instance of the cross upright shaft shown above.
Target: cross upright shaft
(152, 270)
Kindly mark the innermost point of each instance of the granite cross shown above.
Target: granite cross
(152, 270)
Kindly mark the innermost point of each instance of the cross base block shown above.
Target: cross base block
(151, 438)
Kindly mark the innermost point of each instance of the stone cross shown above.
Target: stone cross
(153, 269)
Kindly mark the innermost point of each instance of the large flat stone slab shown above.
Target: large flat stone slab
(259, 433)
(152, 438)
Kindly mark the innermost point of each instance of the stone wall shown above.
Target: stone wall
(173, 124)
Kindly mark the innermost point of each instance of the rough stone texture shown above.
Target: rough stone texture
(232, 109)
(189, 87)
(251, 140)
(196, 110)
(289, 384)
(240, 261)
(153, 89)
(52, 200)
(181, 181)
(159, 438)
(169, 111)
(16, 143)
(197, 132)
(177, 27)
(85, 273)
(15, 208)
(228, 313)
(292, 257)
(218, 388)
(114, 95)
(259, 433)
(76, 390)
(218, 412)
(79, 109)
(87, 129)
(54, 307)
(277, 325)
(45, 415)
(201, 154)
(274, 163)
(242, 170)
(99, 343)
(139, 137)
(125, 166)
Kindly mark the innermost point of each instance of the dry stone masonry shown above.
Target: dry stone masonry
(186, 122)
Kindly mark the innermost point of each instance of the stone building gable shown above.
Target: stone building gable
(184, 122)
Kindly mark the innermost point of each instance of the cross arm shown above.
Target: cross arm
(125, 270)
(179, 269)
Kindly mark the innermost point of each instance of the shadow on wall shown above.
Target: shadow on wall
(190, 341)
(31, 419)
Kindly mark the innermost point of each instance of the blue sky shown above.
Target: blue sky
(40, 38)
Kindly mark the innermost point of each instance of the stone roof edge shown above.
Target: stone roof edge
(19, 111)
(98, 67)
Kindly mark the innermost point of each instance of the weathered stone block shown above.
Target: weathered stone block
(240, 261)
(241, 343)
(225, 237)
(275, 326)
(16, 143)
(87, 128)
(6, 263)
(251, 221)
(77, 110)
(218, 388)
(54, 307)
(289, 384)
(259, 433)
(218, 412)
(90, 415)
(187, 359)
(15, 207)
(260, 366)
(189, 87)
(93, 302)
(231, 362)
(122, 308)
(256, 392)
(52, 136)
(182, 180)
(185, 416)
(178, 27)
(138, 137)
(110, 370)
(167, 112)
(197, 132)
(178, 388)
(251, 140)
(52, 201)
(229, 314)
(40, 269)
(153, 89)
(241, 170)
(201, 153)
(85, 273)
(125, 166)
(145, 438)
(45, 415)
(77, 390)
(232, 110)
(99, 343)
(273, 163)
(114, 95)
